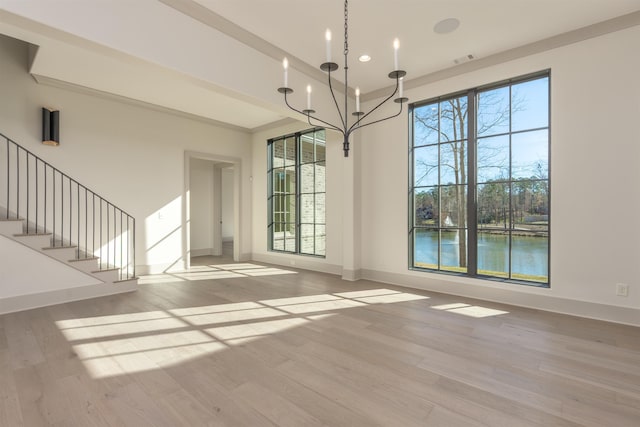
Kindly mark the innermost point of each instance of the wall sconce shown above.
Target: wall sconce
(50, 127)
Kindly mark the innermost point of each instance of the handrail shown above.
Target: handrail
(106, 231)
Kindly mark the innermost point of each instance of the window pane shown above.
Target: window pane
(425, 203)
(493, 253)
(530, 155)
(453, 206)
(453, 163)
(320, 177)
(278, 208)
(307, 208)
(306, 151)
(290, 152)
(307, 244)
(278, 180)
(493, 206)
(529, 257)
(290, 208)
(453, 250)
(493, 158)
(278, 153)
(320, 240)
(290, 238)
(493, 112)
(425, 248)
(320, 152)
(425, 129)
(426, 166)
(453, 119)
(278, 241)
(530, 204)
(530, 105)
(320, 208)
(290, 181)
(307, 178)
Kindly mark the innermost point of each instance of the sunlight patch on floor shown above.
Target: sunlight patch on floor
(129, 343)
(213, 272)
(470, 310)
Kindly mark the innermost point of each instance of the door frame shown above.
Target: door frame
(186, 202)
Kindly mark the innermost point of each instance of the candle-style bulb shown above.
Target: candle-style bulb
(327, 37)
(396, 46)
(308, 97)
(285, 65)
(357, 99)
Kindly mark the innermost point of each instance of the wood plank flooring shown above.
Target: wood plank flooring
(249, 345)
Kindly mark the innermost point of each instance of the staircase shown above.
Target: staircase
(49, 212)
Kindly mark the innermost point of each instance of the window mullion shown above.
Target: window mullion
(298, 188)
(472, 200)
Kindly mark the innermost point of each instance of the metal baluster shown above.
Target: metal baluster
(100, 201)
(53, 178)
(93, 223)
(120, 245)
(86, 224)
(78, 217)
(8, 177)
(37, 194)
(18, 182)
(70, 213)
(62, 210)
(134, 247)
(27, 159)
(45, 197)
(108, 243)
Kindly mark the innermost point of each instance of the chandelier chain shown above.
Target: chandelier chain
(346, 27)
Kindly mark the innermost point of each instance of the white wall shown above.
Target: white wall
(132, 156)
(595, 151)
(19, 277)
(227, 205)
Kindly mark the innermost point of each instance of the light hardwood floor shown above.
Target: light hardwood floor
(246, 345)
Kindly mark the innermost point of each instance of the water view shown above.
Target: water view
(528, 260)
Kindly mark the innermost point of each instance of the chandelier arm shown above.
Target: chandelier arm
(357, 123)
(380, 120)
(286, 101)
(328, 125)
(342, 119)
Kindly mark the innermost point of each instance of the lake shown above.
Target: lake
(529, 254)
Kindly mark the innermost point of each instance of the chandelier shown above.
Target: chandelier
(345, 127)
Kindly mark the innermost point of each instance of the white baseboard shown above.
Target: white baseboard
(201, 252)
(59, 296)
(298, 261)
(590, 310)
(351, 275)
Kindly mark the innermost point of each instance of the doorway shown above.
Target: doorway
(211, 208)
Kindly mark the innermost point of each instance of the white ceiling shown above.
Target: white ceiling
(221, 60)
(486, 27)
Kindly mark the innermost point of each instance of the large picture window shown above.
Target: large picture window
(296, 193)
(479, 182)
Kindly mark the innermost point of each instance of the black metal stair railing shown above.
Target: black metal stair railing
(50, 201)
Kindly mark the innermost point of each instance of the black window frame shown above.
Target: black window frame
(297, 223)
(473, 227)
